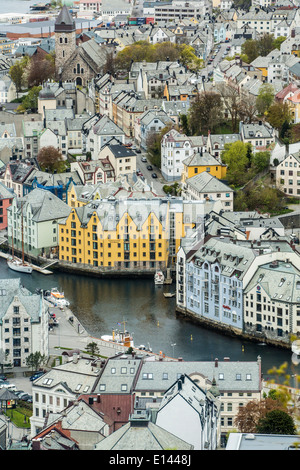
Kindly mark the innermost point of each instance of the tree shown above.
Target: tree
(205, 112)
(40, 70)
(232, 102)
(247, 109)
(30, 101)
(260, 161)
(250, 49)
(276, 422)
(50, 159)
(92, 348)
(236, 157)
(278, 41)
(154, 145)
(279, 115)
(17, 73)
(265, 98)
(36, 360)
(249, 416)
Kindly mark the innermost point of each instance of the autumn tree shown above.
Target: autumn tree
(40, 70)
(50, 159)
(205, 112)
(249, 416)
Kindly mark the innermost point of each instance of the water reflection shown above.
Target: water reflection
(100, 304)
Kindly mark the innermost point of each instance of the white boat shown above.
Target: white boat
(18, 265)
(124, 338)
(159, 277)
(56, 298)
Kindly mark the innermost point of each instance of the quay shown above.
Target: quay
(40, 269)
(70, 334)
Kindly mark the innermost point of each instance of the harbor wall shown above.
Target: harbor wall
(228, 330)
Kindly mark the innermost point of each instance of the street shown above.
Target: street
(157, 183)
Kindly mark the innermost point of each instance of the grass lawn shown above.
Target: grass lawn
(19, 416)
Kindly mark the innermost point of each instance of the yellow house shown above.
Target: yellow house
(197, 163)
(124, 234)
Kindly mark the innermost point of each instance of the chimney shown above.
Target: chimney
(226, 359)
(98, 398)
(216, 362)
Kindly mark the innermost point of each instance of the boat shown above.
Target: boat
(124, 338)
(56, 298)
(169, 294)
(159, 277)
(15, 263)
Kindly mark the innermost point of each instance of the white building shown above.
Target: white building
(288, 175)
(56, 389)
(175, 148)
(191, 413)
(39, 213)
(206, 186)
(24, 323)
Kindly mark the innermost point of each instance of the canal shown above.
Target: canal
(100, 304)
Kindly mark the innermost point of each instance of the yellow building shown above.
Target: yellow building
(126, 234)
(197, 163)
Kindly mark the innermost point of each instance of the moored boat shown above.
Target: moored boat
(124, 338)
(159, 277)
(19, 266)
(56, 298)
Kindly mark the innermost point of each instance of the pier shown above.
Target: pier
(42, 270)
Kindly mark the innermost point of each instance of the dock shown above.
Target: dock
(42, 270)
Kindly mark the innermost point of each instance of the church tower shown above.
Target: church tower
(65, 39)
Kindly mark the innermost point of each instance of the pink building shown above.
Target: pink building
(6, 197)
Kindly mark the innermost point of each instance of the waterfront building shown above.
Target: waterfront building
(23, 325)
(33, 222)
(138, 234)
(220, 283)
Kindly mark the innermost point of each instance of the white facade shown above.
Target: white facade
(191, 414)
(24, 323)
(288, 175)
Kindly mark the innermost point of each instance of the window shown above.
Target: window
(238, 377)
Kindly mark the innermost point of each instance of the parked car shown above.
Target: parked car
(138, 151)
(149, 167)
(36, 376)
(144, 159)
(154, 175)
(3, 377)
(19, 392)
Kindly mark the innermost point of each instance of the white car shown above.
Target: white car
(144, 159)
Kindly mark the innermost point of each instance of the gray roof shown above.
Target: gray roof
(205, 182)
(141, 434)
(166, 373)
(244, 441)
(44, 205)
(201, 159)
(11, 288)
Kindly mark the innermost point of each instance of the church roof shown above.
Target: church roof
(64, 21)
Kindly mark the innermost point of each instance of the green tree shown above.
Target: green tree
(17, 73)
(265, 98)
(236, 157)
(278, 41)
(154, 146)
(276, 422)
(279, 116)
(92, 348)
(260, 161)
(30, 101)
(250, 49)
(36, 360)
